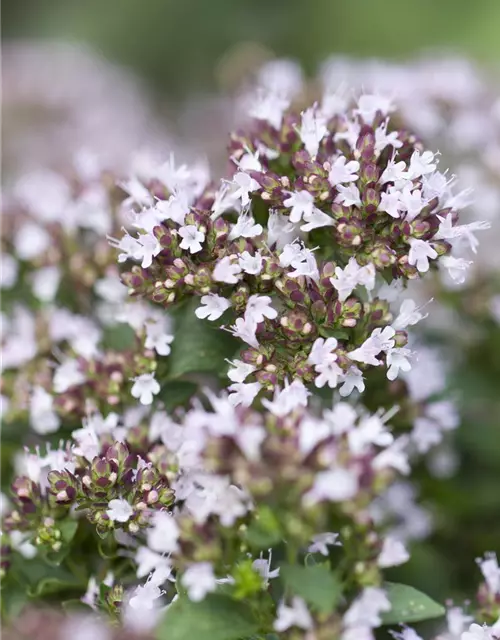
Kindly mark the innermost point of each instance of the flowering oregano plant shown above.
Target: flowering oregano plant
(217, 431)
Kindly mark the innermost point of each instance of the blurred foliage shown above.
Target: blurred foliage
(182, 46)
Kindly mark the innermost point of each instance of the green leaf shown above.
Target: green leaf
(218, 617)
(176, 393)
(409, 605)
(316, 584)
(68, 528)
(264, 530)
(199, 346)
(119, 337)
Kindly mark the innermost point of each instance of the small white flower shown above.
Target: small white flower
(258, 308)
(393, 553)
(46, 282)
(407, 633)
(245, 185)
(398, 360)
(268, 106)
(164, 533)
(43, 419)
(491, 572)
(322, 350)
(421, 165)
(478, 632)
(322, 541)
(457, 268)
(199, 579)
(329, 373)
(301, 203)
(315, 220)
(343, 171)
(366, 609)
(379, 340)
(145, 387)
(420, 252)
(346, 280)
(384, 139)
(192, 238)
(337, 485)
(119, 510)
(245, 227)
(250, 264)
(313, 129)
(263, 568)
(30, 241)
(352, 379)
(288, 399)
(226, 271)
(213, 306)
(394, 172)
(411, 202)
(245, 329)
(67, 375)
(240, 371)
(297, 615)
(243, 393)
(8, 271)
(390, 202)
(349, 196)
(370, 104)
(409, 315)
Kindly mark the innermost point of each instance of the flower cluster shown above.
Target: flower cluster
(272, 507)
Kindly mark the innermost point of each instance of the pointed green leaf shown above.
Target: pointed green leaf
(199, 345)
(409, 605)
(316, 584)
(218, 617)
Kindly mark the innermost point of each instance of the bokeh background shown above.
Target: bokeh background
(189, 53)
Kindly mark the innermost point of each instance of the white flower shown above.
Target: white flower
(455, 234)
(394, 172)
(420, 165)
(268, 106)
(240, 371)
(8, 271)
(349, 196)
(213, 306)
(245, 227)
(243, 393)
(372, 346)
(322, 541)
(457, 620)
(393, 553)
(119, 510)
(478, 632)
(280, 231)
(175, 208)
(370, 104)
(397, 359)
(411, 202)
(420, 252)
(352, 379)
(346, 280)
(245, 185)
(329, 373)
(370, 431)
(164, 533)
(138, 194)
(148, 561)
(301, 203)
(287, 399)
(322, 350)
(343, 171)
(258, 308)
(313, 129)
(263, 568)
(199, 579)
(315, 220)
(46, 282)
(491, 572)
(20, 542)
(226, 271)
(43, 419)
(245, 329)
(337, 485)
(457, 268)
(407, 633)
(148, 247)
(409, 315)
(297, 615)
(30, 241)
(390, 202)
(366, 609)
(67, 375)
(384, 139)
(250, 264)
(192, 238)
(145, 387)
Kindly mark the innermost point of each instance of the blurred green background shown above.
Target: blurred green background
(179, 45)
(182, 48)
